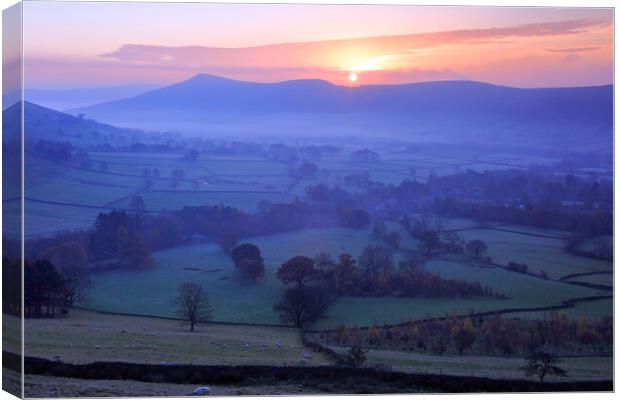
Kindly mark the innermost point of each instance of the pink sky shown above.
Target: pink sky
(106, 44)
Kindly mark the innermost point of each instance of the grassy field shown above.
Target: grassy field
(39, 386)
(580, 368)
(240, 181)
(85, 337)
(539, 253)
(523, 292)
(598, 279)
(150, 292)
(591, 310)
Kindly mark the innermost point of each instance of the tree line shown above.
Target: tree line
(314, 283)
(493, 335)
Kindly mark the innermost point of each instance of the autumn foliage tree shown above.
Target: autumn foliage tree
(463, 334)
(298, 270)
(71, 261)
(247, 257)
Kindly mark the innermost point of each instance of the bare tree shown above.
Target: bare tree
(543, 364)
(192, 304)
(356, 356)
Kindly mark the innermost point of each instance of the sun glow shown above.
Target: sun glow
(353, 77)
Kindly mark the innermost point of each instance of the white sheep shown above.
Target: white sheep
(202, 391)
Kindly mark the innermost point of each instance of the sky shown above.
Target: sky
(78, 45)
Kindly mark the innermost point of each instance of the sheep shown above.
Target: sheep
(202, 391)
(247, 346)
(98, 347)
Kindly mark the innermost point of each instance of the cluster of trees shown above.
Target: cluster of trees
(55, 150)
(45, 290)
(123, 236)
(598, 247)
(130, 237)
(429, 231)
(523, 185)
(57, 279)
(308, 299)
(587, 222)
(247, 258)
(380, 232)
(352, 217)
(291, 154)
(305, 170)
(365, 155)
(227, 224)
(359, 179)
(317, 282)
(374, 274)
(72, 265)
(11, 286)
(484, 336)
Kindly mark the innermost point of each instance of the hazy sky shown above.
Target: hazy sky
(108, 44)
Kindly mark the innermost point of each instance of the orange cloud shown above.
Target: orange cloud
(518, 52)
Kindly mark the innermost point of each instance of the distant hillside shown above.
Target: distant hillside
(45, 123)
(470, 111)
(63, 99)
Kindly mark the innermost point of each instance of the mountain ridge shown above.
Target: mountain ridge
(477, 110)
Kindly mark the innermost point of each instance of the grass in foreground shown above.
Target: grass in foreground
(85, 337)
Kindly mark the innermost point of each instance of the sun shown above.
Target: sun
(353, 77)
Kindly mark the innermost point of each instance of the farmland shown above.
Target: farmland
(85, 337)
(111, 178)
(150, 292)
(581, 368)
(128, 314)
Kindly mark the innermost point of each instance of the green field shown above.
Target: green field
(592, 310)
(578, 368)
(239, 181)
(85, 337)
(539, 253)
(69, 197)
(150, 292)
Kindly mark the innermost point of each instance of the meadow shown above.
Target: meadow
(542, 252)
(579, 368)
(150, 292)
(112, 178)
(85, 336)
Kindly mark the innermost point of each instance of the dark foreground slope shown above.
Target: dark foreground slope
(325, 379)
(470, 111)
